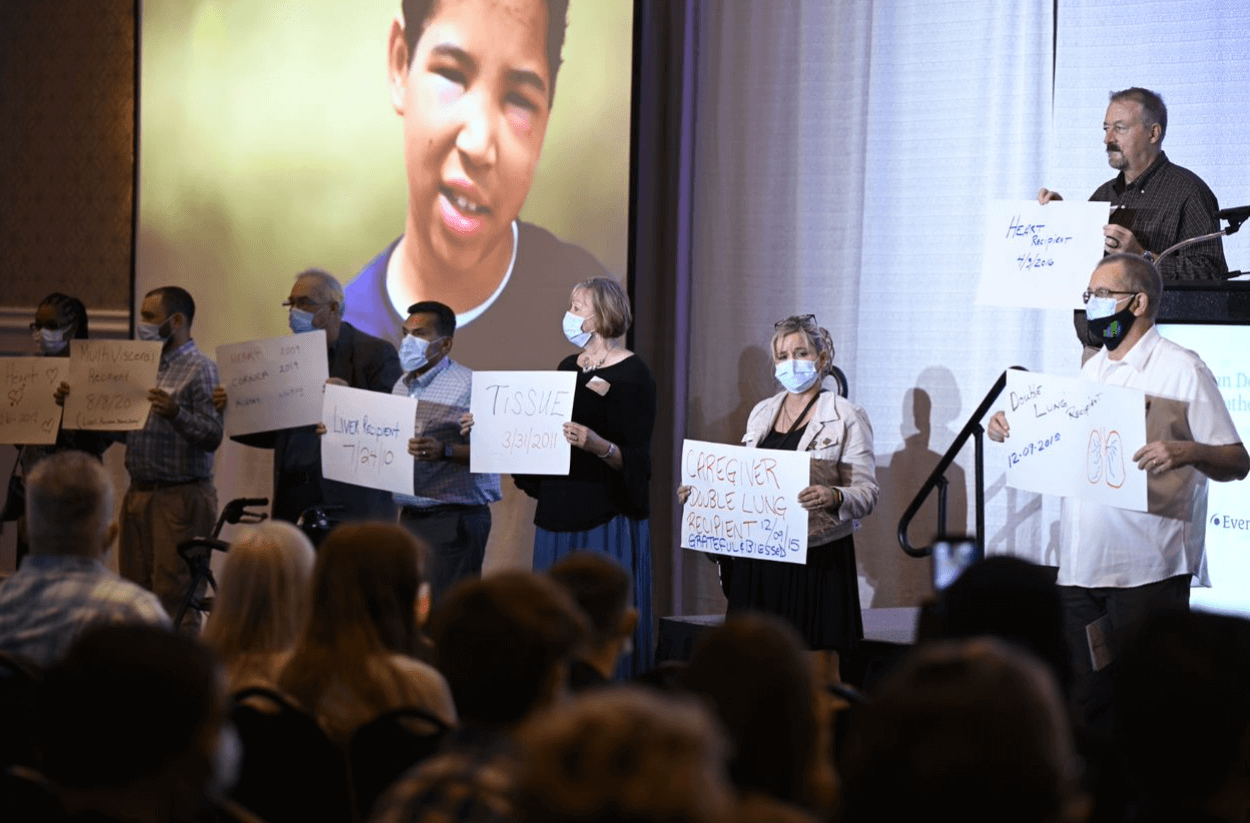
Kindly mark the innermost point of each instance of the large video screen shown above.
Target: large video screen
(1223, 349)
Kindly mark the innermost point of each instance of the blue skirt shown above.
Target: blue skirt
(627, 541)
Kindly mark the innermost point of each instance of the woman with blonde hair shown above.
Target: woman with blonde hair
(821, 597)
(261, 604)
(355, 659)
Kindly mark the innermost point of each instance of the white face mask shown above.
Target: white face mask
(797, 375)
(414, 352)
(51, 341)
(151, 332)
(573, 330)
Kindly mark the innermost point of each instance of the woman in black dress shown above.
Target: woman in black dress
(820, 598)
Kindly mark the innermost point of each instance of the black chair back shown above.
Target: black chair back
(291, 771)
(386, 747)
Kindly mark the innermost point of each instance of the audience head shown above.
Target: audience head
(137, 707)
(623, 754)
(365, 587)
(754, 672)
(1182, 708)
(503, 643)
(601, 588)
(1012, 599)
(974, 730)
(69, 506)
(262, 601)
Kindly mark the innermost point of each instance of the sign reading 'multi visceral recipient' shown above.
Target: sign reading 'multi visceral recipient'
(109, 383)
(744, 502)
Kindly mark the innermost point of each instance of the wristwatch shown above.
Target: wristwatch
(447, 451)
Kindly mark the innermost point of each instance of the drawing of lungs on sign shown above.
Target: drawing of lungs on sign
(1104, 459)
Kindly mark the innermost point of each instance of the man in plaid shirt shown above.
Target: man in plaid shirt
(170, 460)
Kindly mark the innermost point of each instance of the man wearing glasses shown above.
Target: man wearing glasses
(1115, 565)
(356, 359)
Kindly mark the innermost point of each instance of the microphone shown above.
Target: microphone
(1238, 215)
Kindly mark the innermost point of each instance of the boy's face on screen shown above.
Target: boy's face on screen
(475, 106)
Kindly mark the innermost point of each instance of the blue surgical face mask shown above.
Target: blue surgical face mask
(573, 330)
(414, 352)
(152, 332)
(301, 321)
(52, 341)
(1099, 307)
(797, 375)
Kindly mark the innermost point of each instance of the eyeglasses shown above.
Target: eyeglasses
(1102, 293)
(302, 303)
(796, 320)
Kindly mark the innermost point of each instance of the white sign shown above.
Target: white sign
(28, 412)
(1039, 256)
(1075, 438)
(518, 422)
(744, 502)
(274, 383)
(366, 439)
(109, 383)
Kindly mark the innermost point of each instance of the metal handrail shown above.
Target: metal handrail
(937, 478)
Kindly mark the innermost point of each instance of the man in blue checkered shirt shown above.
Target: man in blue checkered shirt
(170, 460)
(62, 587)
(450, 508)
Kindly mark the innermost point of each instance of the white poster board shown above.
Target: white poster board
(274, 383)
(518, 422)
(366, 439)
(744, 502)
(28, 412)
(109, 383)
(1075, 438)
(1037, 256)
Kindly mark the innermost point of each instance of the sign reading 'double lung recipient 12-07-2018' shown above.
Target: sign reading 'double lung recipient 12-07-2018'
(744, 502)
(1075, 438)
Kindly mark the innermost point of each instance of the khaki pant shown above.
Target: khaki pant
(153, 523)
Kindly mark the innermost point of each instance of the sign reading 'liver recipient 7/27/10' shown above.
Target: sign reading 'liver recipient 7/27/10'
(744, 502)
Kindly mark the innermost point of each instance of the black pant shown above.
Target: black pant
(1123, 607)
(457, 538)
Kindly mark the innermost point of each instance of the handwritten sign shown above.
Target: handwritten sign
(518, 421)
(274, 383)
(1075, 438)
(744, 502)
(109, 383)
(1037, 256)
(28, 413)
(366, 439)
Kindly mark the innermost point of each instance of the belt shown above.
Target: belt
(157, 485)
(450, 508)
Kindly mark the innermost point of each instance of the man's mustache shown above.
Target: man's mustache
(1113, 147)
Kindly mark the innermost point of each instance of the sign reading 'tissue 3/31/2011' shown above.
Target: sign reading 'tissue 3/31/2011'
(518, 421)
(744, 502)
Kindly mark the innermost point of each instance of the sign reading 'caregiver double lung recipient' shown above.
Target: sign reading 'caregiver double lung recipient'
(109, 382)
(744, 502)
(274, 383)
(28, 412)
(366, 439)
(518, 421)
(1075, 438)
